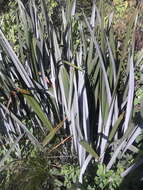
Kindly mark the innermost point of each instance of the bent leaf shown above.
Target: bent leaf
(37, 109)
(89, 149)
(52, 133)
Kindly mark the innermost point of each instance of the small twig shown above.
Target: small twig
(52, 157)
(62, 142)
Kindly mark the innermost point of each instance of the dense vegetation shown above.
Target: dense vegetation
(71, 95)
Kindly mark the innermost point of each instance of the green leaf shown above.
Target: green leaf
(37, 109)
(115, 127)
(89, 149)
(72, 65)
(52, 133)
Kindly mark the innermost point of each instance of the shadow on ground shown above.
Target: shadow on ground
(134, 181)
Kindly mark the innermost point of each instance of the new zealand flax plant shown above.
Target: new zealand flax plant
(68, 72)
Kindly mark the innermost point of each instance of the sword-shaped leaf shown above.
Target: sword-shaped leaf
(52, 133)
(37, 109)
(89, 149)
